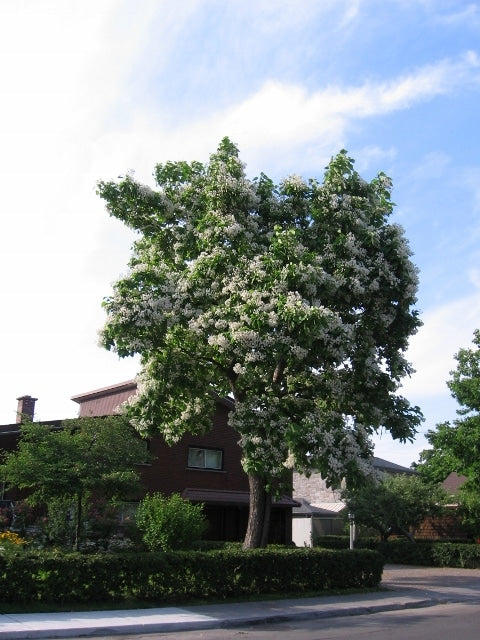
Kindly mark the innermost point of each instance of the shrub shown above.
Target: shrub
(58, 526)
(170, 523)
(332, 542)
(101, 521)
(6, 517)
(457, 555)
(430, 553)
(11, 544)
(24, 517)
(12, 537)
(173, 576)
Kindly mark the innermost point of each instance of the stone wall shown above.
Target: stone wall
(314, 489)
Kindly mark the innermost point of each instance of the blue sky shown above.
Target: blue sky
(93, 89)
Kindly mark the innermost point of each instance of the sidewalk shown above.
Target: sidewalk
(404, 588)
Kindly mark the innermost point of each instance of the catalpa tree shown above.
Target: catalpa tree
(294, 299)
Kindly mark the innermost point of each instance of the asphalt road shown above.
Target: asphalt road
(441, 622)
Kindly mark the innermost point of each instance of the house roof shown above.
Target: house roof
(334, 507)
(453, 482)
(129, 385)
(391, 467)
(107, 400)
(223, 497)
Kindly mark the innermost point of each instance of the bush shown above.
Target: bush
(332, 542)
(24, 517)
(6, 517)
(430, 553)
(170, 523)
(58, 526)
(457, 555)
(175, 576)
(101, 521)
(11, 543)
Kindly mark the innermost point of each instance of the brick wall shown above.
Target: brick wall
(169, 472)
(448, 526)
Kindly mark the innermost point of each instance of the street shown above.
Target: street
(440, 622)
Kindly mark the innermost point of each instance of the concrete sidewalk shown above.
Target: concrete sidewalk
(403, 588)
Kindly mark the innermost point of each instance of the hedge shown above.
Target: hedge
(423, 552)
(182, 575)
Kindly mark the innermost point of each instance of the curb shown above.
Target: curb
(29, 626)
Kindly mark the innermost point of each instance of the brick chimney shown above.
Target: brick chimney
(26, 407)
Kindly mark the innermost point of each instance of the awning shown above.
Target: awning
(231, 498)
(319, 510)
(331, 506)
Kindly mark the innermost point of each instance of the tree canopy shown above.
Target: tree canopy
(394, 504)
(456, 445)
(295, 299)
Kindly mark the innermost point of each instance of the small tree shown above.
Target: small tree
(84, 457)
(394, 504)
(170, 523)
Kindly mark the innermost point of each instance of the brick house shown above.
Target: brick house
(204, 468)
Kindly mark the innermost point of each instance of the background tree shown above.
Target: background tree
(394, 504)
(294, 299)
(456, 445)
(84, 457)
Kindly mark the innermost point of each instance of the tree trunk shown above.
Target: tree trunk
(266, 520)
(259, 513)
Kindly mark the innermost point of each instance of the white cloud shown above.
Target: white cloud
(469, 15)
(73, 112)
(445, 330)
(294, 117)
(281, 124)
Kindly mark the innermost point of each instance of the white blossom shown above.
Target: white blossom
(292, 302)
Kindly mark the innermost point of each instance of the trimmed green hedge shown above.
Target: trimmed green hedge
(423, 552)
(179, 576)
(432, 554)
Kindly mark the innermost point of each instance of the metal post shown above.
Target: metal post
(351, 519)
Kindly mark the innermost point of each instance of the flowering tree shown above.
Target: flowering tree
(294, 299)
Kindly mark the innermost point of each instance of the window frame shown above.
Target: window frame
(205, 450)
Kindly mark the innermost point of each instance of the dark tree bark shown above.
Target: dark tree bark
(259, 513)
(266, 520)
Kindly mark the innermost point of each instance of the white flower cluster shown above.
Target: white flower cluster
(282, 303)
(294, 183)
(145, 191)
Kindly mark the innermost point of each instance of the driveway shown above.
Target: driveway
(442, 583)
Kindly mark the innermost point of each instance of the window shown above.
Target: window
(205, 458)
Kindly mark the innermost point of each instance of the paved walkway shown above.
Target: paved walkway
(404, 587)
